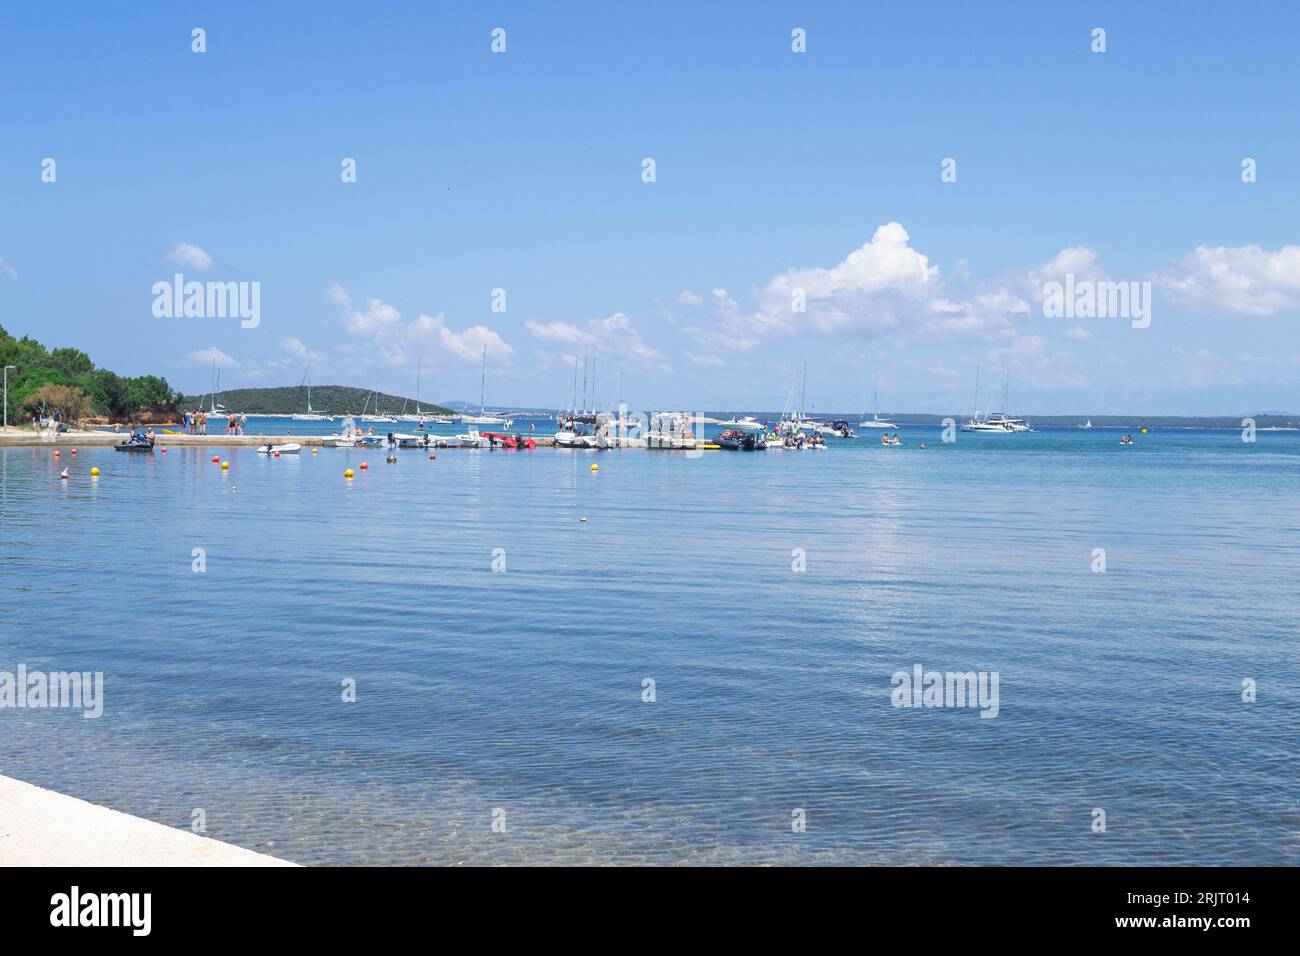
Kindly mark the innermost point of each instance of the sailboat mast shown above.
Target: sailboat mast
(418, 363)
(803, 393)
(584, 383)
(875, 400)
(482, 383)
(975, 410)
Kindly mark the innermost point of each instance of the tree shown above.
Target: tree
(73, 402)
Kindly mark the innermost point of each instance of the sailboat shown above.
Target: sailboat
(311, 415)
(216, 408)
(875, 421)
(482, 418)
(994, 424)
(976, 423)
(375, 417)
(419, 415)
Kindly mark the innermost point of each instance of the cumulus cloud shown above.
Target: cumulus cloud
(613, 335)
(687, 297)
(396, 342)
(882, 287)
(1235, 280)
(468, 345)
(297, 350)
(209, 356)
(1078, 333)
(189, 256)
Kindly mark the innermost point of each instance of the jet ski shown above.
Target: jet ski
(292, 448)
(138, 441)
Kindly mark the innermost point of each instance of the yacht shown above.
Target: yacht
(482, 418)
(311, 414)
(748, 424)
(875, 421)
(994, 424)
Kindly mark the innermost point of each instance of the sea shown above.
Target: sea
(644, 657)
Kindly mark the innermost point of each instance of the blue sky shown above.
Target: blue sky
(775, 171)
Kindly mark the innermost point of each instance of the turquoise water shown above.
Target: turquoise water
(522, 690)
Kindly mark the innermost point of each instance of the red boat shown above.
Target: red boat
(509, 441)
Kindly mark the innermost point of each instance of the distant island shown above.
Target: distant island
(325, 399)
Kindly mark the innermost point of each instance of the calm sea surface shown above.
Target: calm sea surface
(522, 691)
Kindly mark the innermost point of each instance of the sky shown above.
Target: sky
(801, 207)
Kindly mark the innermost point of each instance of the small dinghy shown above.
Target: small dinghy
(292, 448)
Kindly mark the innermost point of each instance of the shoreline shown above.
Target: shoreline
(40, 827)
(21, 437)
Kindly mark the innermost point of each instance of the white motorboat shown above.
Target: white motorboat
(747, 424)
(349, 437)
(472, 439)
(289, 448)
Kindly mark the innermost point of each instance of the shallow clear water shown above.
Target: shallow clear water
(522, 690)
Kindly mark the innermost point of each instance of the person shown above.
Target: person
(203, 423)
(149, 435)
(243, 420)
(531, 427)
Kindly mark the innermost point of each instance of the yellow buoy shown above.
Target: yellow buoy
(595, 468)
(313, 451)
(348, 473)
(225, 466)
(94, 473)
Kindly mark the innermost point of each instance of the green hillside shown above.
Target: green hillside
(325, 399)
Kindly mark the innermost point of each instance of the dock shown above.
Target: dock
(39, 827)
(72, 439)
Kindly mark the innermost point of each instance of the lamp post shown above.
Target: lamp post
(7, 368)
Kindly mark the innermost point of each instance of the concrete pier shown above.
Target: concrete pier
(25, 436)
(42, 828)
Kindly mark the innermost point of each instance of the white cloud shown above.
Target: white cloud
(395, 342)
(882, 287)
(687, 297)
(189, 256)
(613, 336)
(468, 345)
(8, 270)
(1235, 280)
(704, 361)
(1078, 333)
(208, 356)
(297, 350)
